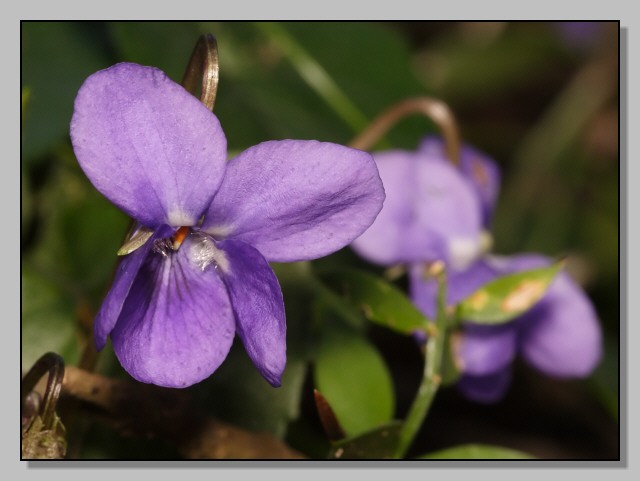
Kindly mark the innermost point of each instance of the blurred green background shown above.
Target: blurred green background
(540, 98)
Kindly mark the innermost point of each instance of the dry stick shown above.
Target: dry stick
(144, 410)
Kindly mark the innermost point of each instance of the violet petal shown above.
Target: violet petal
(431, 212)
(477, 167)
(148, 145)
(114, 300)
(177, 325)
(486, 389)
(258, 307)
(484, 350)
(561, 335)
(296, 200)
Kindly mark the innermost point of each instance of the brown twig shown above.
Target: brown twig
(143, 410)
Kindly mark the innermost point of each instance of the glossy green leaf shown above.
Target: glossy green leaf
(379, 443)
(380, 301)
(477, 451)
(354, 379)
(48, 321)
(505, 298)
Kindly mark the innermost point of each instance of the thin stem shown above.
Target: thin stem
(203, 67)
(434, 109)
(431, 378)
(54, 365)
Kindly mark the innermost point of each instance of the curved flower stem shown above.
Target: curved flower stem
(431, 378)
(436, 110)
(54, 365)
(203, 66)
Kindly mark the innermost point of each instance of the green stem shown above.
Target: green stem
(431, 378)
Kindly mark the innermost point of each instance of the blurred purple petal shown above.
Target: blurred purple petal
(148, 145)
(477, 167)
(177, 325)
(259, 310)
(484, 350)
(430, 213)
(296, 200)
(486, 389)
(561, 335)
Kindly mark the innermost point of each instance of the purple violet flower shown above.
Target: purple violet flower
(433, 210)
(177, 301)
(560, 335)
(430, 210)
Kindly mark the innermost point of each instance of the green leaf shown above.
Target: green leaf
(352, 376)
(379, 443)
(380, 302)
(477, 451)
(505, 298)
(48, 321)
(57, 58)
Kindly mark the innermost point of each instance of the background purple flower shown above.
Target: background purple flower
(477, 167)
(432, 211)
(433, 206)
(560, 335)
(160, 155)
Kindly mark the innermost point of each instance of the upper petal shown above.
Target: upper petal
(258, 306)
(148, 145)
(478, 168)
(177, 325)
(431, 212)
(296, 200)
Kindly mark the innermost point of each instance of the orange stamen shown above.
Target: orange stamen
(179, 237)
